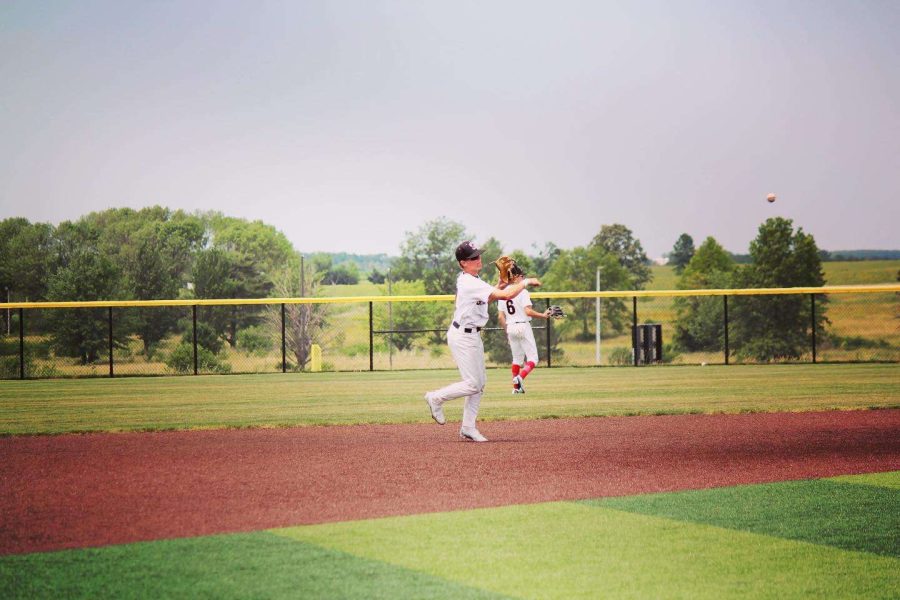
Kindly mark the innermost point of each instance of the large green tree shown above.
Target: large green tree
(620, 242)
(699, 324)
(154, 247)
(220, 274)
(242, 261)
(26, 255)
(342, 273)
(622, 264)
(543, 259)
(776, 327)
(267, 248)
(130, 237)
(576, 270)
(158, 265)
(83, 272)
(682, 252)
(427, 255)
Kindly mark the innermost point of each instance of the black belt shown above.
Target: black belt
(466, 329)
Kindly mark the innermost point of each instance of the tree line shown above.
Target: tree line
(151, 254)
(157, 253)
(760, 327)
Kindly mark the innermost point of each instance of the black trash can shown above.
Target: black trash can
(647, 343)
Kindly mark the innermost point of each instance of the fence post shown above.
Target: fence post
(725, 298)
(634, 339)
(21, 343)
(283, 345)
(194, 317)
(371, 341)
(110, 343)
(549, 325)
(812, 298)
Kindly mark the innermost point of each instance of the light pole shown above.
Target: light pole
(597, 319)
(390, 324)
(7, 311)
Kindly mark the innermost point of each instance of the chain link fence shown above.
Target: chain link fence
(47, 340)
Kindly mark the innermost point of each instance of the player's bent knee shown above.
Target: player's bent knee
(474, 387)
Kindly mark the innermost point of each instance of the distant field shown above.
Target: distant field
(861, 272)
(363, 288)
(664, 278)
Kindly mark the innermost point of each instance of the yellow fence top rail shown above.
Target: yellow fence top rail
(835, 289)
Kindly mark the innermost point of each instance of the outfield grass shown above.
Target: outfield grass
(837, 538)
(165, 403)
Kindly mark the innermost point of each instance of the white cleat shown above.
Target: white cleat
(470, 433)
(437, 411)
(518, 385)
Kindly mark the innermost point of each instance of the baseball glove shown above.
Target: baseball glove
(506, 266)
(555, 312)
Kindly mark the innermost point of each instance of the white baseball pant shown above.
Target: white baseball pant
(468, 352)
(521, 342)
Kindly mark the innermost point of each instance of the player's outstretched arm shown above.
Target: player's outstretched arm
(513, 289)
(537, 315)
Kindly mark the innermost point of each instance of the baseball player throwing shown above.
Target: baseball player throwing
(464, 338)
(515, 316)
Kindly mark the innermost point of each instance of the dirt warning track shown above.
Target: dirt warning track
(89, 490)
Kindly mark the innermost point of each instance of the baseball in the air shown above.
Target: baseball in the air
(771, 197)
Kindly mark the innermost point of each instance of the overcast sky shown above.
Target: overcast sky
(346, 124)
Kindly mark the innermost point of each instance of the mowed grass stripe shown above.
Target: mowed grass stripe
(865, 518)
(888, 480)
(573, 550)
(256, 565)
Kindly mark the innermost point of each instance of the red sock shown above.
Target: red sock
(515, 370)
(529, 366)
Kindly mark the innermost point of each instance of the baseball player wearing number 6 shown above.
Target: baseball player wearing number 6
(473, 296)
(515, 317)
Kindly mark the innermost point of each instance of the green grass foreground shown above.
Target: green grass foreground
(235, 401)
(828, 538)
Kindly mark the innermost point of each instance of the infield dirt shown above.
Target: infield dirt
(74, 491)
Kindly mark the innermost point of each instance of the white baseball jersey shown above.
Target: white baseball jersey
(514, 309)
(471, 301)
